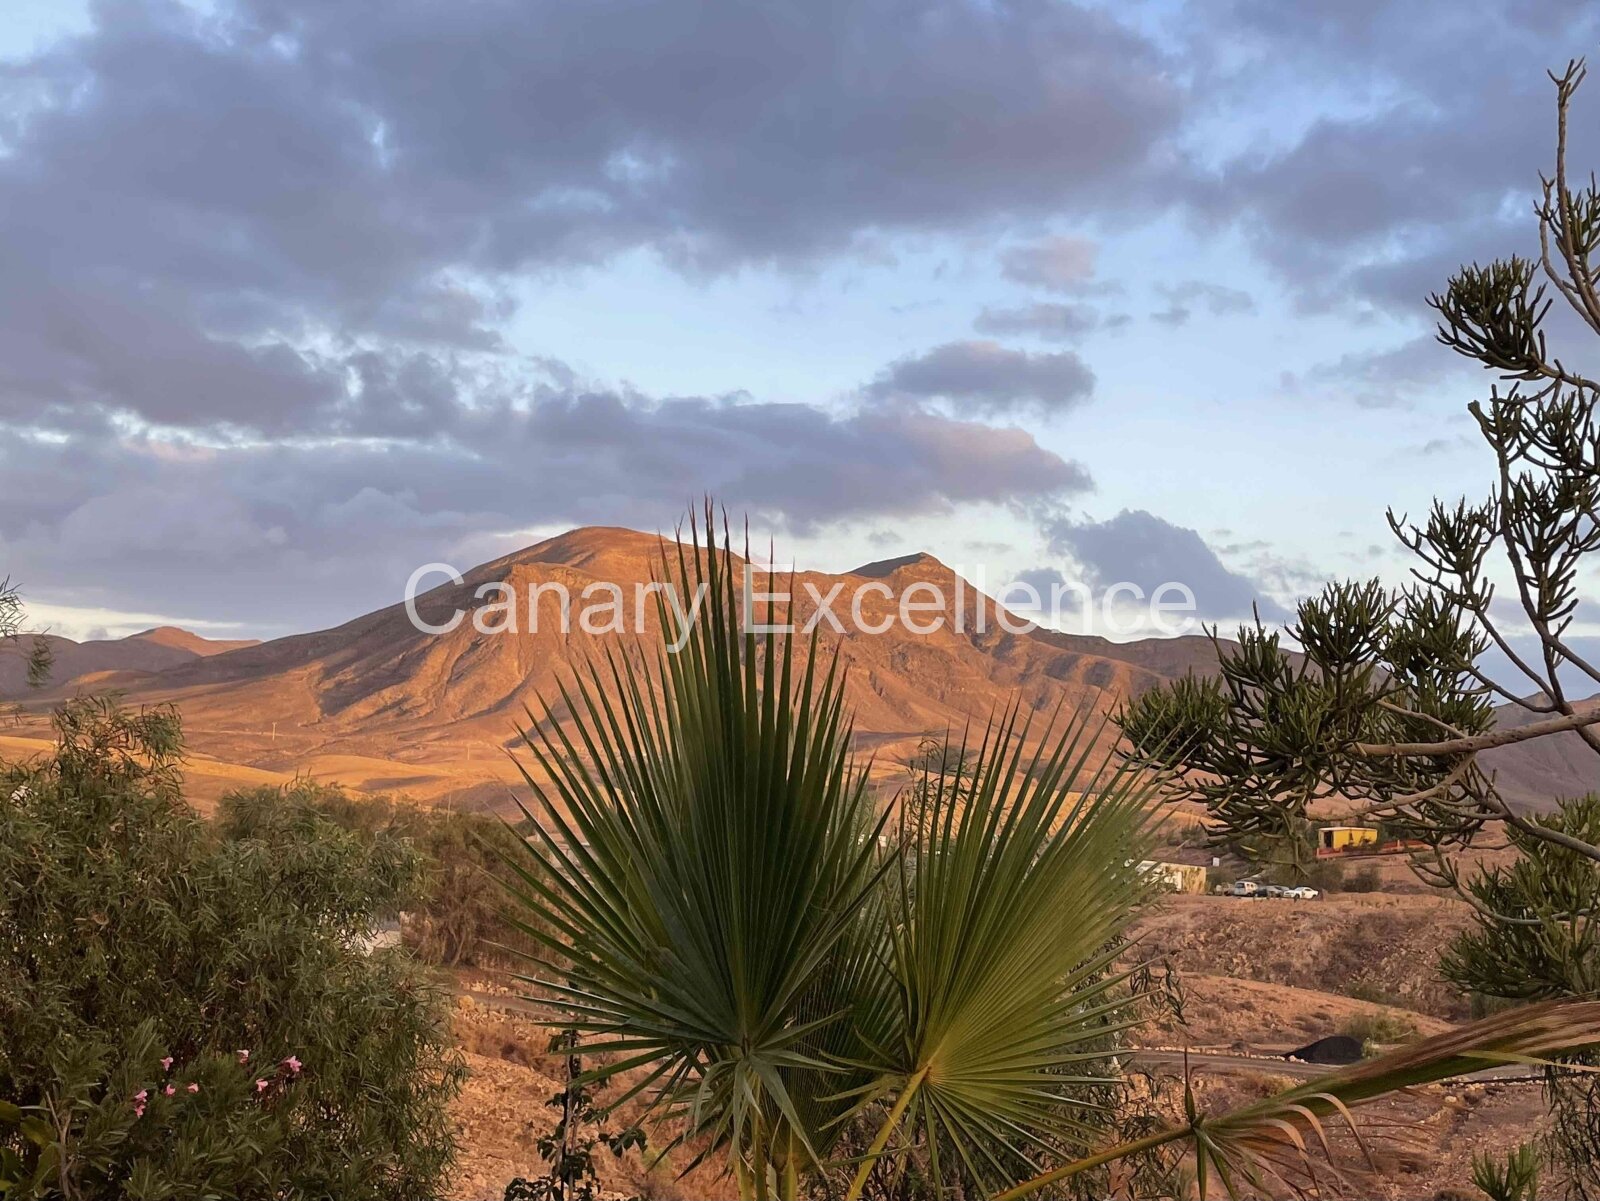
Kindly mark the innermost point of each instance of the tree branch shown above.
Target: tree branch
(1474, 743)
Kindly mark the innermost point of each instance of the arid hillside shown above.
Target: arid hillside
(147, 651)
(379, 704)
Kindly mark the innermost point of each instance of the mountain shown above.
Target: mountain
(151, 650)
(377, 703)
(380, 704)
(1535, 772)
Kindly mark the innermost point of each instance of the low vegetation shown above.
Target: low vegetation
(192, 1011)
(1379, 1028)
(455, 918)
(826, 1007)
(721, 903)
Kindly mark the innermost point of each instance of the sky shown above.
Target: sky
(301, 294)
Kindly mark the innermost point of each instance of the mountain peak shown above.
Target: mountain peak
(882, 568)
(178, 638)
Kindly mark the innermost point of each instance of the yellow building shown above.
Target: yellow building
(1345, 838)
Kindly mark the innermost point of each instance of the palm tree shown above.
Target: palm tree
(719, 907)
(721, 912)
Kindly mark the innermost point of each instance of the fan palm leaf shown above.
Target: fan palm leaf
(1005, 928)
(703, 843)
(1284, 1136)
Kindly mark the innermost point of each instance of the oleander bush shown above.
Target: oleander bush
(193, 1011)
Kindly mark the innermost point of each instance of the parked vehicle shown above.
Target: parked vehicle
(1275, 892)
(1303, 893)
(1242, 888)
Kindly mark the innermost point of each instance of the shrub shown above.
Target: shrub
(141, 949)
(1363, 879)
(1379, 1026)
(456, 918)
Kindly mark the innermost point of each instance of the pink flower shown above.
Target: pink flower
(244, 1056)
(194, 1088)
(169, 1090)
(292, 1065)
(263, 1084)
(166, 1064)
(139, 1098)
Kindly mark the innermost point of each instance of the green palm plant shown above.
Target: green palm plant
(721, 913)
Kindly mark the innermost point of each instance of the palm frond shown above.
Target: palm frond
(1284, 1137)
(1004, 932)
(703, 844)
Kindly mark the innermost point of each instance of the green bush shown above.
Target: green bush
(456, 918)
(1379, 1028)
(142, 950)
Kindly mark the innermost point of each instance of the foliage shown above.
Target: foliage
(569, 1148)
(1363, 879)
(1517, 1179)
(455, 918)
(13, 617)
(1387, 706)
(721, 909)
(131, 933)
(1371, 1029)
(218, 1118)
(1535, 937)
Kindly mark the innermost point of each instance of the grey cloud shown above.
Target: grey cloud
(1438, 122)
(1140, 548)
(1217, 299)
(990, 378)
(1050, 592)
(1052, 322)
(307, 532)
(1386, 379)
(264, 191)
(1059, 264)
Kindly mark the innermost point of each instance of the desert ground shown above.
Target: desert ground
(1259, 978)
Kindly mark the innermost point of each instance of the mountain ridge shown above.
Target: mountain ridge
(375, 692)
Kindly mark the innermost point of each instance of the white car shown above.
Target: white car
(1304, 893)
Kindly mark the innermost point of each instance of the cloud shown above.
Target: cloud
(262, 259)
(1040, 589)
(1050, 321)
(1142, 549)
(1060, 264)
(1415, 163)
(1217, 299)
(311, 530)
(265, 192)
(1391, 378)
(990, 378)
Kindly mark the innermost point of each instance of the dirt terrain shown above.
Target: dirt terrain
(1372, 946)
(377, 706)
(1257, 979)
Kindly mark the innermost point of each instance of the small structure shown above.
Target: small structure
(1346, 838)
(1175, 877)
